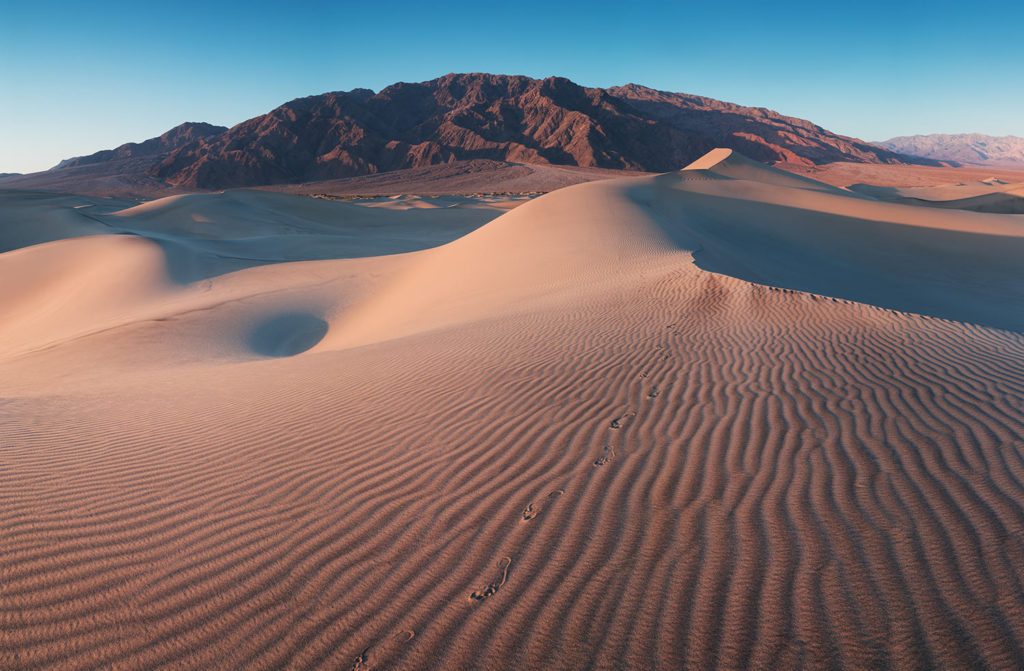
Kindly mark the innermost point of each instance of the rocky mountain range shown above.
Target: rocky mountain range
(461, 117)
(1007, 151)
(177, 137)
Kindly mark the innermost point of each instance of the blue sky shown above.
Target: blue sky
(76, 77)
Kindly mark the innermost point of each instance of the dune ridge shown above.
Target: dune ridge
(558, 441)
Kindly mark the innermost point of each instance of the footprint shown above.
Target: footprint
(361, 660)
(620, 422)
(605, 458)
(481, 594)
(654, 392)
(532, 510)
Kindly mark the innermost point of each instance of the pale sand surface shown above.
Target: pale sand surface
(719, 418)
(846, 174)
(988, 195)
(941, 192)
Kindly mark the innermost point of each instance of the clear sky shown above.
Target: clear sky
(76, 77)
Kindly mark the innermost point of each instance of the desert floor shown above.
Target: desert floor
(728, 417)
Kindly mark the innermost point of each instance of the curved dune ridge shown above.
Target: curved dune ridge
(698, 420)
(992, 195)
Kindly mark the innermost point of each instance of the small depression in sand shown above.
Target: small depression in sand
(287, 334)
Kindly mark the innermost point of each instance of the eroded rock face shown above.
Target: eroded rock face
(457, 117)
(158, 146)
(759, 133)
(479, 116)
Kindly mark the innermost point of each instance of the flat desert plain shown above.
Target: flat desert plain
(727, 417)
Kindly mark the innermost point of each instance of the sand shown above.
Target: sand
(719, 418)
(458, 177)
(903, 176)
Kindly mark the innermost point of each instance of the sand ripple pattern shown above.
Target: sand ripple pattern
(699, 473)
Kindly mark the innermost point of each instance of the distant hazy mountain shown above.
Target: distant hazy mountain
(964, 148)
(461, 117)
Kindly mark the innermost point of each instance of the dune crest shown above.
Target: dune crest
(758, 223)
(726, 162)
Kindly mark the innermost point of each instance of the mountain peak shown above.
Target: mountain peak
(177, 137)
(468, 116)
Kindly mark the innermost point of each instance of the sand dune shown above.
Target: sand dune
(902, 176)
(156, 262)
(30, 218)
(941, 192)
(808, 236)
(996, 203)
(711, 419)
(991, 195)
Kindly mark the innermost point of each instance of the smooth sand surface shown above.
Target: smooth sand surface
(716, 418)
(903, 176)
(992, 195)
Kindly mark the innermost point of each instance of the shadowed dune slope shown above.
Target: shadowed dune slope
(728, 163)
(209, 234)
(622, 426)
(737, 217)
(106, 265)
(996, 203)
(30, 218)
(991, 195)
